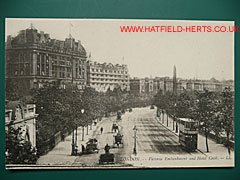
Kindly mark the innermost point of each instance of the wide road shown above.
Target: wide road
(152, 138)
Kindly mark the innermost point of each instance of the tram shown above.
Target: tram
(188, 134)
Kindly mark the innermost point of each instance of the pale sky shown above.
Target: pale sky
(201, 55)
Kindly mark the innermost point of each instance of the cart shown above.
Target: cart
(107, 158)
(92, 146)
(114, 127)
(118, 140)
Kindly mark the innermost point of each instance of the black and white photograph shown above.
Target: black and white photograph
(119, 93)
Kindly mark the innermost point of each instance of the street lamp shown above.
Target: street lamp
(135, 140)
(167, 117)
(73, 153)
(82, 111)
(176, 118)
(163, 117)
(73, 144)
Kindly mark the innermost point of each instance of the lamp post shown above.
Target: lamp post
(163, 117)
(167, 117)
(73, 144)
(73, 153)
(91, 125)
(160, 114)
(176, 118)
(74, 139)
(82, 111)
(82, 133)
(135, 140)
(76, 147)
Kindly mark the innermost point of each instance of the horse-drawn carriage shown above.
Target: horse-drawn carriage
(118, 139)
(107, 158)
(114, 127)
(92, 146)
(119, 115)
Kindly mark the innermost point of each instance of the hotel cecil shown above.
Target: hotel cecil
(33, 59)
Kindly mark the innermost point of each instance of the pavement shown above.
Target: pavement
(61, 153)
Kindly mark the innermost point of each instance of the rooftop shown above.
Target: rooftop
(30, 37)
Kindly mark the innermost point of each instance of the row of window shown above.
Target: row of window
(61, 59)
(110, 71)
(116, 80)
(105, 75)
(66, 75)
(65, 58)
(19, 57)
(104, 84)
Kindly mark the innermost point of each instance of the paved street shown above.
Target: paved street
(152, 138)
(155, 141)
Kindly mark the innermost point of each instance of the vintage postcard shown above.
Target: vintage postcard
(116, 93)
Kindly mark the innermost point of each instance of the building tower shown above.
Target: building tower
(174, 80)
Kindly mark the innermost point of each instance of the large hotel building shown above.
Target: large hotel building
(104, 76)
(33, 59)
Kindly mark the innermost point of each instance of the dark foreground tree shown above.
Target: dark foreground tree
(18, 151)
(227, 113)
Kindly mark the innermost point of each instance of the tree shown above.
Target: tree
(12, 90)
(205, 112)
(18, 151)
(91, 105)
(162, 101)
(227, 115)
(55, 108)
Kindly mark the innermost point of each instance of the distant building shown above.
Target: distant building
(24, 117)
(103, 76)
(137, 85)
(201, 85)
(149, 85)
(165, 84)
(158, 84)
(33, 59)
(146, 85)
(168, 85)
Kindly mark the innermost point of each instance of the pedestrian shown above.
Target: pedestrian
(101, 130)
(107, 148)
(83, 148)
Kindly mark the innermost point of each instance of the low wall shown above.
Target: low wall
(50, 143)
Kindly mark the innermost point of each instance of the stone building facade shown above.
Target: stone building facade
(24, 117)
(137, 85)
(103, 76)
(33, 59)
